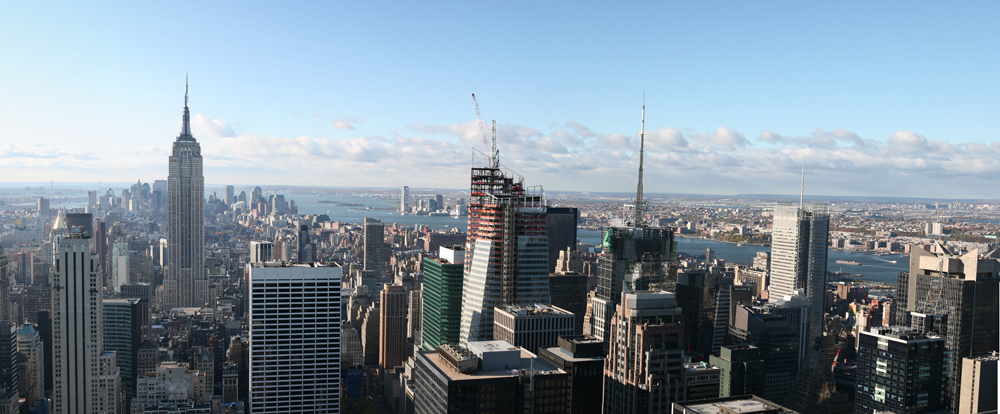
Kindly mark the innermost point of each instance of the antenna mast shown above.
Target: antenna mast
(802, 190)
(640, 213)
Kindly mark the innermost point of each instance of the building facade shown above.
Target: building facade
(798, 260)
(506, 248)
(641, 257)
(295, 338)
(533, 326)
(643, 371)
(961, 290)
(442, 298)
(185, 281)
(86, 380)
(900, 372)
(392, 327)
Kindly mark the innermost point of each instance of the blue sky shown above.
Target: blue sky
(893, 98)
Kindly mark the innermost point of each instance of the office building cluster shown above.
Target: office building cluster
(162, 300)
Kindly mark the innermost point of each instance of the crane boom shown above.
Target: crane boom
(482, 130)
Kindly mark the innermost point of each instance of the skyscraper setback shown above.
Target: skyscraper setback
(185, 282)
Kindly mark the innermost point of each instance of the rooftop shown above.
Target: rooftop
(541, 367)
(739, 404)
(537, 309)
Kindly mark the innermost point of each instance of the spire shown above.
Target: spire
(640, 204)
(802, 190)
(186, 128)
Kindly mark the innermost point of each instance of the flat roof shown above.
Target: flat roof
(744, 404)
(566, 356)
(542, 367)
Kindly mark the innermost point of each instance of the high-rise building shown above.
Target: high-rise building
(439, 199)
(798, 260)
(8, 368)
(442, 298)
(307, 249)
(230, 194)
(560, 223)
(370, 335)
(488, 376)
(707, 304)
(185, 278)
(392, 327)
(5, 309)
(261, 251)
(963, 288)
(645, 364)
(376, 257)
(641, 257)
(532, 327)
(506, 260)
(899, 371)
(43, 207)
(295, 337)
(569, 292)
(778, 343)
(29, 343)
(741, 371)
(404, 199)
(86, 379)
(125, 321)
(583, 358)
(979, 385)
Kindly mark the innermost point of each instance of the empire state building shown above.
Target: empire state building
(186, 283)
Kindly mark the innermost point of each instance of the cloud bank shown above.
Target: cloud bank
(566, 156)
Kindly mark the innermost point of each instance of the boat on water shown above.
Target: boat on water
(849, 262)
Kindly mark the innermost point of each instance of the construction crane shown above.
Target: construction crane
(494, 154)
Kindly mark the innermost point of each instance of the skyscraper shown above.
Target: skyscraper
(185, 273)
(5, 311)
(375, 254)
(86, 379)
(964, 289)
(506, 261)
(294, 337)
(29, 343)
(392, 327)
(124, 321)
(442, 298)
(644, 366)
(899, 372)
(230, 194)
(8, 368)
(404, 199)
(798, 260)
(634, 256)
(561, 229)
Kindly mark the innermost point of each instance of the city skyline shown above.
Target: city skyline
(874, 107)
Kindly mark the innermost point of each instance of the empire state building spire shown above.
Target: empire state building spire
(186, 129)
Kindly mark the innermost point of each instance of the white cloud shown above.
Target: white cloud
(344, 122)
(563, 156)
(202, 125)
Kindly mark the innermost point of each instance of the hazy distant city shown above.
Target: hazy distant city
(574, 208)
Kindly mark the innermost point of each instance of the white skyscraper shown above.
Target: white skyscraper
(185, 283)
(295, 338)
(86, 378)
(404, 199)
(798, 260)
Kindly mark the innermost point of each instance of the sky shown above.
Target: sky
(883, 99)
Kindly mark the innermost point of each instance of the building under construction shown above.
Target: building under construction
(506, 249)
